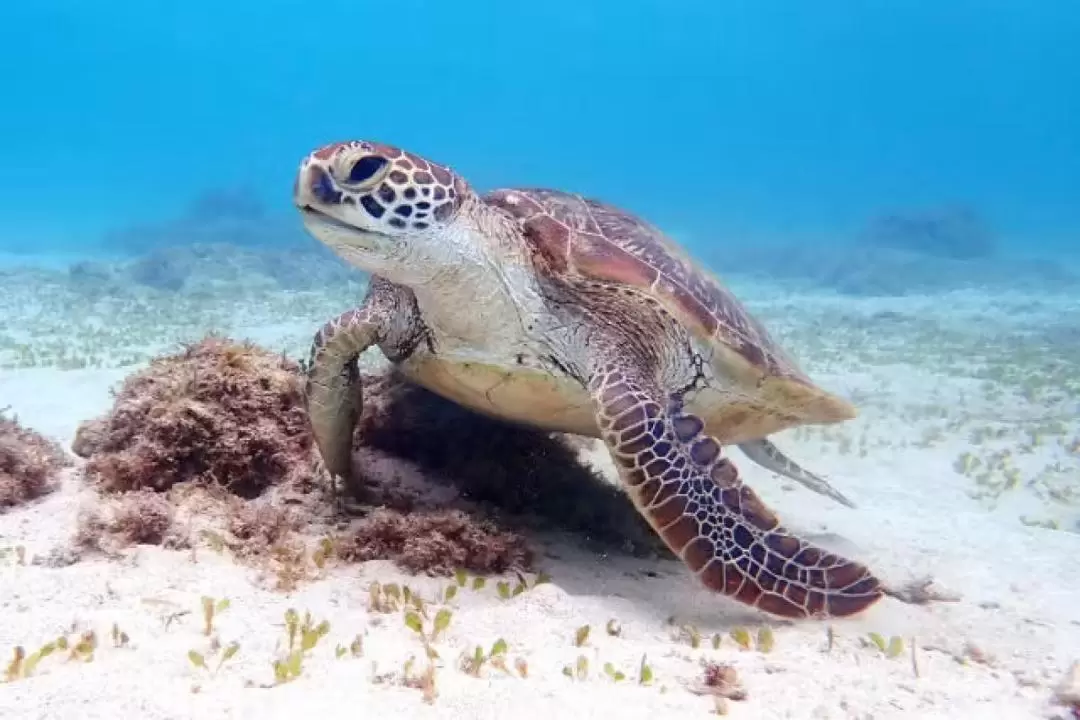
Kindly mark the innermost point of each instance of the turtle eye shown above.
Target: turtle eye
(366, 168)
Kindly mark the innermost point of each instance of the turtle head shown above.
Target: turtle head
(377, 206)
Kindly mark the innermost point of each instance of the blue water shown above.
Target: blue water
(721, 121)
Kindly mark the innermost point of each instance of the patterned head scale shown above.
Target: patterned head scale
(378, 188)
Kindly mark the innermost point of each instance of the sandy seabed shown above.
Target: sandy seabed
(964, 463)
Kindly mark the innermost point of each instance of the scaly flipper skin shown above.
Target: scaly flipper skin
(772, 458)
(387, 318)
(694, 498)
(333, 374)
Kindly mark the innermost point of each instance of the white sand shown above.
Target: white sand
(1017, 620)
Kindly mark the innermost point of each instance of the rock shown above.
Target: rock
(955, 232)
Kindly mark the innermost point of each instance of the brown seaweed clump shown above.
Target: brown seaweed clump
(30, 463)
(218, 412)
(212, 444)
(438, 542)
(196, 443)
(143, 517)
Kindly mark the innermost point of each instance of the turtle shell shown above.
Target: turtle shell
(573, 236)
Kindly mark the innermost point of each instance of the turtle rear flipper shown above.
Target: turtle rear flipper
(772, 458)
(696, 501)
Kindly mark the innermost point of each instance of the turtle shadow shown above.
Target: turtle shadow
(415, 450)
(661, 589)
(520, 477)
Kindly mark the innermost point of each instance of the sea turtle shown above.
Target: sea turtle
(568, 314)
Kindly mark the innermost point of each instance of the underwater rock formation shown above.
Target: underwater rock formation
(919, 252)
(223, 216)
(200, 265)
(217, 204)
(164, 269)
(879, 271)
(30, 463)
(884, 272)
(224, 235)
(953, 231)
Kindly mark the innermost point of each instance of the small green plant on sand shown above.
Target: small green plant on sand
(83, 648)
(204, 662)
(384, 598)
(392, 597)
(645, 672)
(506, 591)
(323, 553)
(891, 648)
(741, 636)
(215, 656)
(765, 640)
(302, 637)
(579, 670)
(22, 666)
(691, 635)
(473, 663)
(355, 648)
(211, 608)
(614, 673)
(415, 622)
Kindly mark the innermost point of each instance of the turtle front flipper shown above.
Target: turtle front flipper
(695, 500)
(387, 318)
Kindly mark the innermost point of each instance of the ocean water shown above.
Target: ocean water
(893, 189)
(726, 123)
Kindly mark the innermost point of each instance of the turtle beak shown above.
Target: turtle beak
(318, 198)
(327, 217)
(314, 189)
